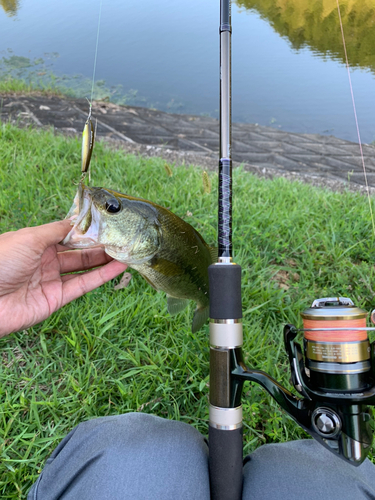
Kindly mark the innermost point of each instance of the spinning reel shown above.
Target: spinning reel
(337, 378)
(334, 377)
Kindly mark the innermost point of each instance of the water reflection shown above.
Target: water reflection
(10, 6)
(315, 24)
(295, 81)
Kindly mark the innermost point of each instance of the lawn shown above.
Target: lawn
(119, 351)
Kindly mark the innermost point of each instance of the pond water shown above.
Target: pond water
(287, 59)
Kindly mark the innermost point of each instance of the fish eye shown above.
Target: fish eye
(113, 205)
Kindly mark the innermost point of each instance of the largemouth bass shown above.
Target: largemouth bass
(167, 251)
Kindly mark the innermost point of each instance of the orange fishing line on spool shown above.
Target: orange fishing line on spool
(335, 335)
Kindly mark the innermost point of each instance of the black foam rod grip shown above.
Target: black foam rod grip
(225, 463)
(225, 291)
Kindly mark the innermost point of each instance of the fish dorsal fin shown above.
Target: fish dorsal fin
(176, 305)
(214, 253)
(199, 319)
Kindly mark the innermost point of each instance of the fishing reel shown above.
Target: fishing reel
(335, 375)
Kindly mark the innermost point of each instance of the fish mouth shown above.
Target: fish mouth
(85, 220)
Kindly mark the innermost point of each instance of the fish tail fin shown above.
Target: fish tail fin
(200, 317)
(175, 305)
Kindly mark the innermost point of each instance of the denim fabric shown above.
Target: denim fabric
(139, 456)
(305, 470)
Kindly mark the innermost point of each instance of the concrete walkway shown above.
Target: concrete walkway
(322, 160)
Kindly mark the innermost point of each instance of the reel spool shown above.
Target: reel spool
(337, 354)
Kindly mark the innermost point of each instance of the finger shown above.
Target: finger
(75, 286)
(79, 260)
(45, 235)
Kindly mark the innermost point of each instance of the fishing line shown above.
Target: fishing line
(96, 50)
(88, 135)
(355, 116)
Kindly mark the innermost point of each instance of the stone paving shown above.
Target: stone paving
(323, 160)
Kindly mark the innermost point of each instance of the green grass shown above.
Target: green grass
(112, 351)
(21, 75)
(13, 85)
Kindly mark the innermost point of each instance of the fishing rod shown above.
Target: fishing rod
(334, 375)
(225, 420)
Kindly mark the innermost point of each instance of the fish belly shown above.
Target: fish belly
(182, 285)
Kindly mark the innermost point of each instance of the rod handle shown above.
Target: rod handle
(225, 463)
(225, 291)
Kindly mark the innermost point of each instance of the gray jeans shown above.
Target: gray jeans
(139, 456)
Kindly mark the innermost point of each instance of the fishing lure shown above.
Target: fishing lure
(88, 138)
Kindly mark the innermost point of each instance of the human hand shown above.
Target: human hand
(32, 263)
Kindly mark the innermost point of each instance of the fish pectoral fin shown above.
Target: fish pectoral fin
(176, 305)
(149, 281)
(199, 319)
(214, 252)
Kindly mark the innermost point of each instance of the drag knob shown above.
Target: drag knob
(326, 422)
